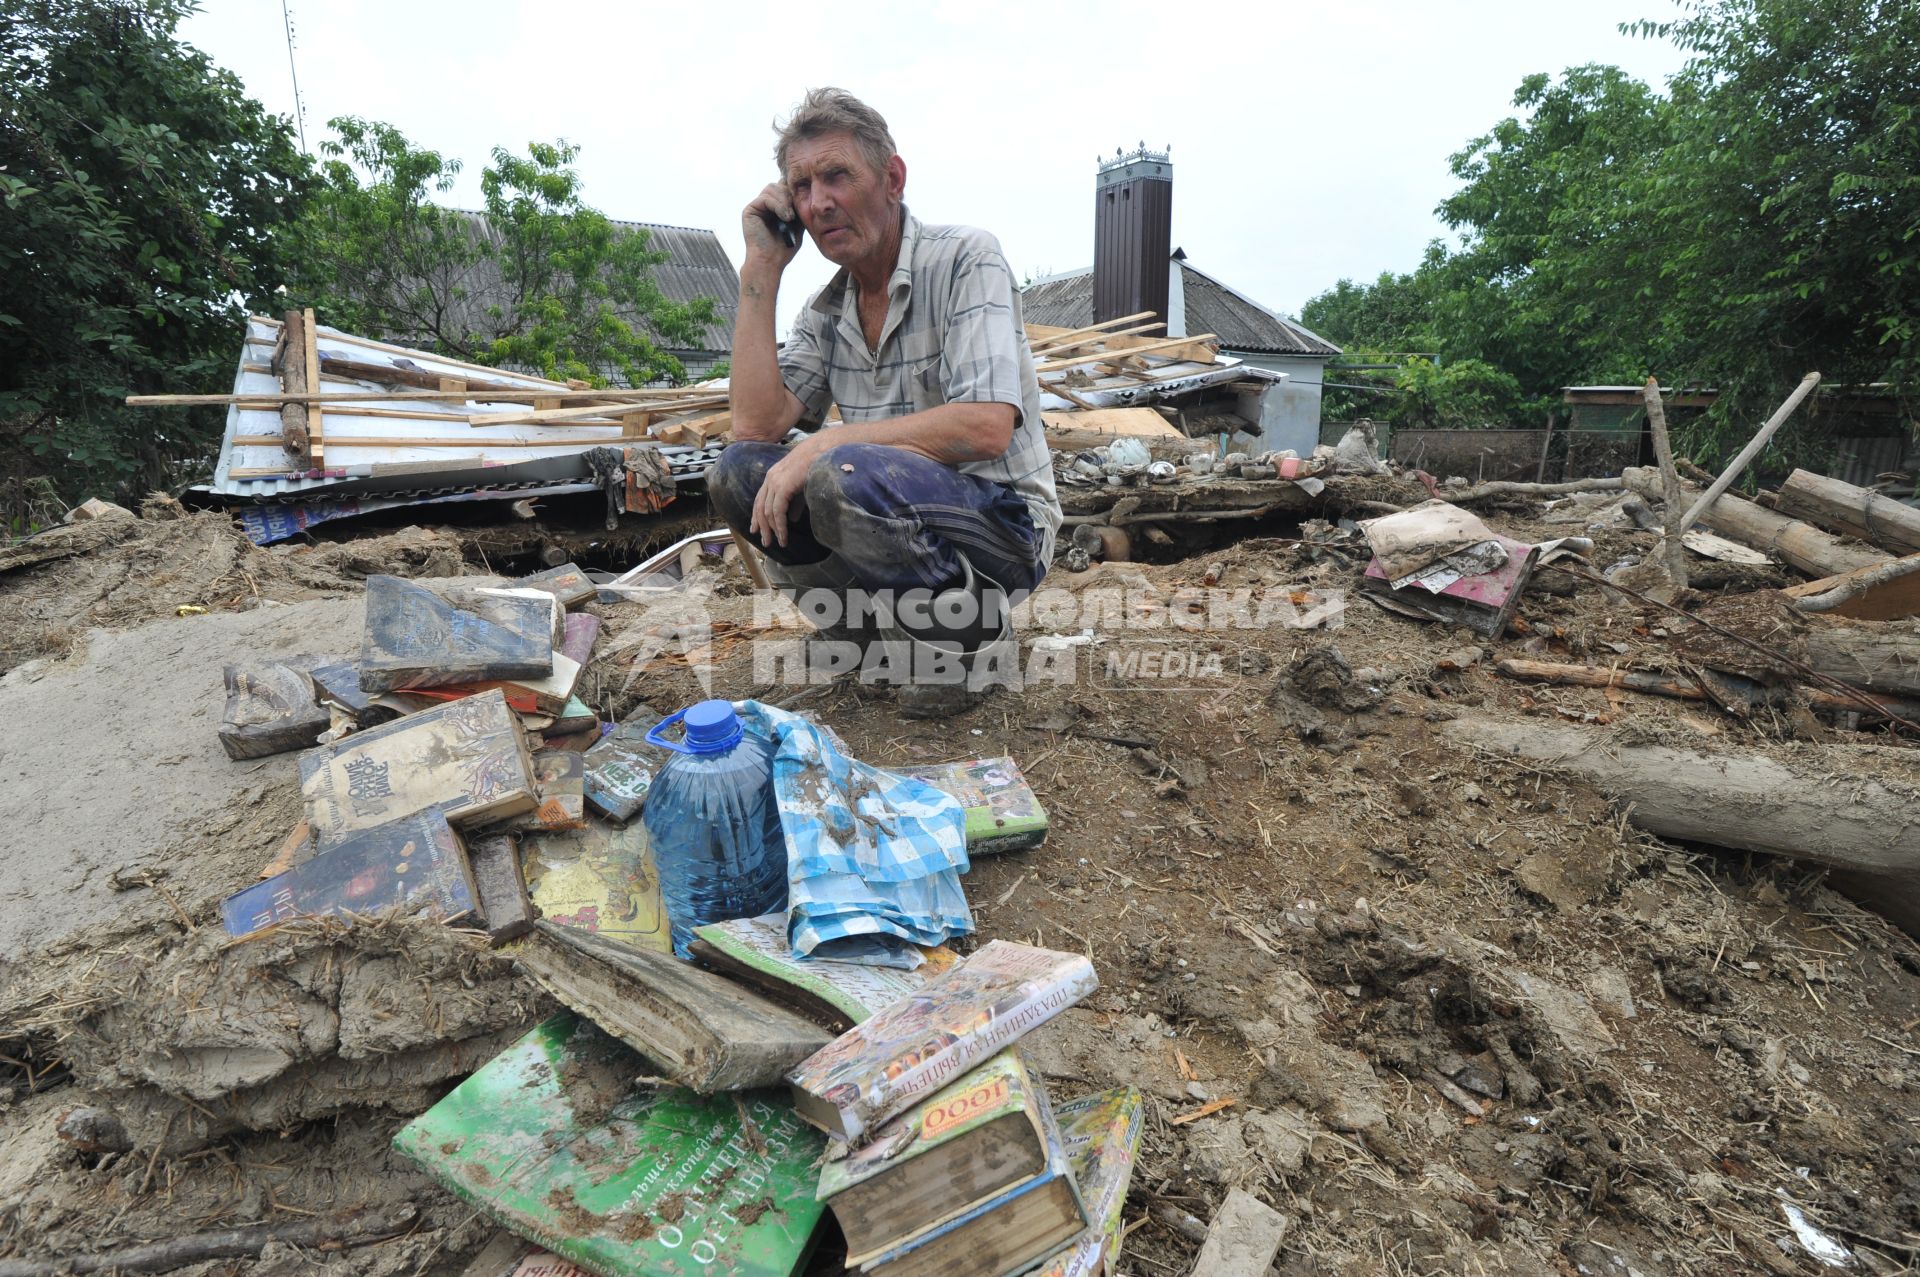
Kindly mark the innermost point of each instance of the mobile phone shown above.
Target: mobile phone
(789, 232)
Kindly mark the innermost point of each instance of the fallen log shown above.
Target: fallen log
(1813, 806)
(1515, 488)
(1859, 512)
(1799, 545)
(1884, 659)
(357, 1229)
(1741, 689)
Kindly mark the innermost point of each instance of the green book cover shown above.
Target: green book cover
(854, 989)
(553, 1138)
(1002, 812)
(1102, 1135)
(995, 1089)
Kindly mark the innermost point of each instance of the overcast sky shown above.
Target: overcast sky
(1310, 142)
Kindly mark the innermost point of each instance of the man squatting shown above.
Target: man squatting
(930, 506)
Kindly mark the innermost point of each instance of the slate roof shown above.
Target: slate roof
(697, 267)
(1240, 323)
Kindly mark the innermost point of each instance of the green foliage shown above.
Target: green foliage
(1392, 314)
(1760, 219)
(541, 282)
(1466, 395)
(139, 194)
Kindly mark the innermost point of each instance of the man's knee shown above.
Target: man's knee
(735, 481)
(853, 476)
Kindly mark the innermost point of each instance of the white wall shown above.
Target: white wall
(1290, 412)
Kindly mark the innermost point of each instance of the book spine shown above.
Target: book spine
(889, 1097)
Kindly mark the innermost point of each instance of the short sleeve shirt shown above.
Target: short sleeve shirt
(953, 334)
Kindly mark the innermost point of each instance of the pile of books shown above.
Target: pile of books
(921, 1129)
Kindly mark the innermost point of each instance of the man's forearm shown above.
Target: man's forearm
(759, 394)
(952, 434)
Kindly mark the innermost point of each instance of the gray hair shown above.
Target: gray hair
(829, 110)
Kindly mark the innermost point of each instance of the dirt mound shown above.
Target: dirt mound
(120, 571)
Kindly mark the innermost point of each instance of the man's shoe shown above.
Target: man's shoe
(952, 670)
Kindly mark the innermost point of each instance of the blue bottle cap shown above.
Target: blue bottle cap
(712, 727)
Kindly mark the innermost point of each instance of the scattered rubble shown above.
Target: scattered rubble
(1451, 967)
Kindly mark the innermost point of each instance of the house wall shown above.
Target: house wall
(1290, 411)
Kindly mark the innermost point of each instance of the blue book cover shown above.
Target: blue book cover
(416, 862)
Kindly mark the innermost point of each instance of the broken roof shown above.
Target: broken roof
(1210, 306)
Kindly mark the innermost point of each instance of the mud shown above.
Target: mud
(1299, 896)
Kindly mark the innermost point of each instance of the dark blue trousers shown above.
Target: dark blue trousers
(898, 520)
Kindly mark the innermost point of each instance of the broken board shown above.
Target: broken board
(1142, 423)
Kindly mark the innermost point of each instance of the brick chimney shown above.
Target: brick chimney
(1132, 233)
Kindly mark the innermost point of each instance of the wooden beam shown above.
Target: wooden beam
(1099, 327)
(1156, 347)
(614, 398)
(316, 416)
(540, 416)
(1878, 593)
(1059, 344)
(349, 339)
(289, 364)
(466, 441)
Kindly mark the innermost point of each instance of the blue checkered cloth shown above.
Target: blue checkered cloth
(873, 858)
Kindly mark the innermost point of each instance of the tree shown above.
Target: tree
(540, 281)
(139, 194)
(1392, 314)
(1793, 193)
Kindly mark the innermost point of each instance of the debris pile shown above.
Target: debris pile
(1567, 930)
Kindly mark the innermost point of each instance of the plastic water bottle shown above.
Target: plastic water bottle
(713, 823)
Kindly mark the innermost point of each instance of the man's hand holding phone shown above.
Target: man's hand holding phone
(771, 226)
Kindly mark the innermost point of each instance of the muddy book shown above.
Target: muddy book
(556, 1140)
(930, 1037)
(598, 879)
(1005, 1232)
(756, 952)
(567, 583)
(467, 758)
(416, 863)
(620, 769)
(271, 709)
(1102, 1135)
(1002, 812)
(559, 777)
(415, 638)
(956, 1150)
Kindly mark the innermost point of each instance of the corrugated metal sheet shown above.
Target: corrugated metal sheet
(501, 458)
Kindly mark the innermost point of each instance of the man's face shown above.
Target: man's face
(850, 210)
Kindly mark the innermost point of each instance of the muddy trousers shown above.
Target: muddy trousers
(893, 519)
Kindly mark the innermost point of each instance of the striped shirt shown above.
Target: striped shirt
(953, 334)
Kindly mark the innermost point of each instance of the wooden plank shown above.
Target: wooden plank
(290, 365)
(1055, 334)
(540, 416)
(1069, 343)
(1138, 422)
(1893, 600)
(269, 399)
(435, 441)
(1197, 343)
(316, 416)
